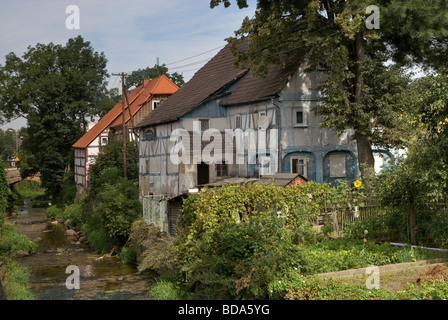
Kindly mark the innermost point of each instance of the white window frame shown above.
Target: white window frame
(154, 104)
(104, 139)
(305, 165)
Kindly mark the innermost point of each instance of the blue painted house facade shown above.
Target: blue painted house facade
(221, 97)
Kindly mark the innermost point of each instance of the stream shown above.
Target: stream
(101, 277)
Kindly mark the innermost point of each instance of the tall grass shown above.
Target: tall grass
(13, 276)
(15, 281)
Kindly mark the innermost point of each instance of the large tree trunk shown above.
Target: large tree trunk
(365, 154)
(366, 160)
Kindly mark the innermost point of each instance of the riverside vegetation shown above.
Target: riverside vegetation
(13, 277)
(249, 241)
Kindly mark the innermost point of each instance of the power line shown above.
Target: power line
(190, 64)
(197, 55)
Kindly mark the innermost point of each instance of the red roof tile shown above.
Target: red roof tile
(137, 98)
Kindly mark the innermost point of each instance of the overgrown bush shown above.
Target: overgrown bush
(15, 281)
(168, 287)
(118, 206)
(154, 249)
(128, 255)
(234, 240)
(75, 215)
(11, 242)
(238, 260)
(54, 212)
(98, 235)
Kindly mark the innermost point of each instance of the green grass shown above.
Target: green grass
(343, 254)
(15, 281)
(168, 287)
(14, 276)
(28, 189)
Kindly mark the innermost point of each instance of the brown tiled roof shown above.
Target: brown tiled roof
(212, 79)
(137, 97)
(254, 89)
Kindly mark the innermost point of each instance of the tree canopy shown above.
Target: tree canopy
(363, 60)
(57, 88)
(136, 77)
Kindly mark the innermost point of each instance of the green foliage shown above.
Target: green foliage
(111, 156)
(168, 287)
(4, 188)
(28, 189)
(75, 215)
(98, 235)
(11, 242)
(57, 88)
(136, 77)
(118, 207)
(8, 144)
(69, 188)
(235, 239)
(128, 255)
(427, 290)
(15, 281)
(54, 212)
(295, 286)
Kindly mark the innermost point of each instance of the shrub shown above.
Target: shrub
(15, 282)
(119, 206)
(238, 260)
(128, 255)
(11, 242)
(74, 214)
(168, 287)
(54, 212)
(154, 248)
(98, 235)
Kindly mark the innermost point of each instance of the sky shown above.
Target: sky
(133, 34)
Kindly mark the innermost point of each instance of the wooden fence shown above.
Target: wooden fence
(340, 218)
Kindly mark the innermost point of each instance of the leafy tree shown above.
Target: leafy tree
(118, 206)
(136, 77)
(337, 34)
(111, 156)
(57, 88)
(421, 177)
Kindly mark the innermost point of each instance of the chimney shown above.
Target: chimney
(145, 81)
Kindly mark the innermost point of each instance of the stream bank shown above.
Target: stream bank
(101, 277)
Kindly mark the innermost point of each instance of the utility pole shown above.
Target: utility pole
(124, 122)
